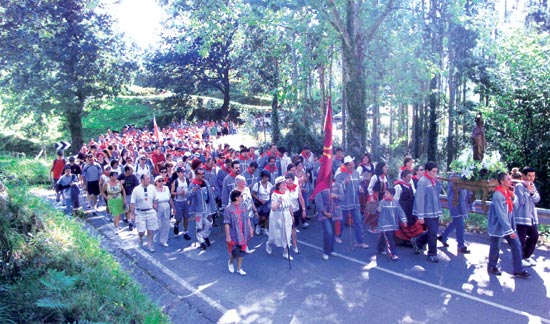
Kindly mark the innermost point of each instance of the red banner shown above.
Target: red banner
(324, 179)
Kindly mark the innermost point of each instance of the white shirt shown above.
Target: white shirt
(142, 199)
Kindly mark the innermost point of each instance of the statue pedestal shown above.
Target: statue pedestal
(474, 186)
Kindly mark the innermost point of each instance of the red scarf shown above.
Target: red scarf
(306, 155)
(269, 169)
(291, 187)
(249, 171)
(198, 182)
(431, 179)
(402, 182)
(508, 195)
(344, 169)
(278, 192)
(388, 198)
(207, 168)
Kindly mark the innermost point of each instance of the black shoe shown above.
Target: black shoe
(433, 258)
(203, 246)
(440, 239)
(176, 229)
(207, 241)
(415, 246)
(131, 226)
(186, 236)
(494, 270)
(464, 250)
(522, 274)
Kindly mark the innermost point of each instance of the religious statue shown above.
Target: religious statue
(478, 139)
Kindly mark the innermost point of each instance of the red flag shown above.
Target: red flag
(324, 179)
(156, 130)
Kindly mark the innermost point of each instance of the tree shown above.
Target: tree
(60, 56)
(349, 20)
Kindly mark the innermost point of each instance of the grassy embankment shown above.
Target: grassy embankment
(51, 270)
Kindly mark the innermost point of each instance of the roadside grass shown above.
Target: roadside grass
(51, 270)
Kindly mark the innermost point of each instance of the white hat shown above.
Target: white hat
(348, 159)
(157, 178)
(187, 154)
(279, 179)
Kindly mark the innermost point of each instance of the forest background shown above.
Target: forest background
(408, 76)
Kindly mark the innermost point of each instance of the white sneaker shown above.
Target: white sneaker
(525, 263)
(257, 229)
(305, 225)
(230, 267)
(532, 261)
(325, 256)
(338, 240)
(266, 232)
(268, 248)
(241, 272)
(164, 244)
(295, 249)
(286, 256)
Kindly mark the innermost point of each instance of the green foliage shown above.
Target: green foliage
(52, 271)
(24, 172)
(518, 117)
(59, 55)
(299, 135)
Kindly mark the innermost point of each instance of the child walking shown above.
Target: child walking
(388, 222)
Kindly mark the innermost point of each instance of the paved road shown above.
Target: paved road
(354, 286)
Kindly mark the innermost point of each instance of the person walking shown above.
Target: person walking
(115, 196)
(165, 208)
(427, 207)
(142, 207)
(65, 184)
(525, 215)
(238, 230)
(202, 207)
(500, 224)
(280, 219)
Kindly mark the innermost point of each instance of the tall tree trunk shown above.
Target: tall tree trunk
(451, 150)
(354, 37)
(224, 113)
(375, 137)
(74, 121)
(322, 88)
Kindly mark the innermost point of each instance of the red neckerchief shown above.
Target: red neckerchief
(291, 187)
(243, 159)
(402, 182)
(232, 174)
(403, 168)
(198, 182)
(207, 168)
(249, 171)
(508, 195)
(278, 192)
(306, 155)
(388, 198)
(344, 169)
(269, 169)
(431, 179)
(225, 169)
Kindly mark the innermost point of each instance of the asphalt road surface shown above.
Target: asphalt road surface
(354, 286)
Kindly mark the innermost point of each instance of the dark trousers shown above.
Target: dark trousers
(528, 237)
(430, 236)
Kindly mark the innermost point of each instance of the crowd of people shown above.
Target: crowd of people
(184, 172)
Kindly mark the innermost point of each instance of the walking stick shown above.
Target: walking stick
(390, 254)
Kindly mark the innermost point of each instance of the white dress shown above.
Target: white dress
(280, 220)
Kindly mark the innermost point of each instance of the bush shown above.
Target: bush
(52, 271)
